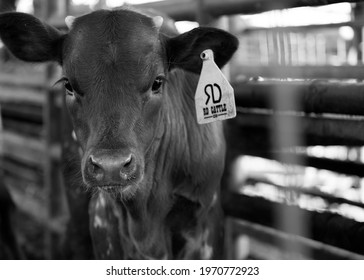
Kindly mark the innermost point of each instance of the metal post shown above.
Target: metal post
(52, 127)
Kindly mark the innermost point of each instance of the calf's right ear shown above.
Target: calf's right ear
(29, 39)
(184, 50)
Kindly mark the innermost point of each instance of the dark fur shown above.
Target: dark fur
(170, 207)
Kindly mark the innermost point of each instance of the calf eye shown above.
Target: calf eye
(157, 84)
(68, 87)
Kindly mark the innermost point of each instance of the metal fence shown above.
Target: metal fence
(282, 111)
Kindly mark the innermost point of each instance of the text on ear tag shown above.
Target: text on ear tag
(214, 98)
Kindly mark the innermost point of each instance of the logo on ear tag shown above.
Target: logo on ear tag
(214, 98)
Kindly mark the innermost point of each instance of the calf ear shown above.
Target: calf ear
(29, 39)
(184, 50)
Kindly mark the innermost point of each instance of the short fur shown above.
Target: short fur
(166, 203)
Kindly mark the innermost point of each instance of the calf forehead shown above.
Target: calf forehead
(112, 41)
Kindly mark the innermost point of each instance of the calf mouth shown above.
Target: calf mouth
(116, 190)
(112, 188)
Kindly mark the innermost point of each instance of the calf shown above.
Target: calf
(129, 88)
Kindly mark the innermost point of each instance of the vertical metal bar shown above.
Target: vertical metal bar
(294, 52)
(263, 48)
(321, 49)
(202, 16)
(52, 178)
(288, 222)
(341, 50)
(51, 120)
(287, 48)
(362, 45)
(301, 50)
(228, 239)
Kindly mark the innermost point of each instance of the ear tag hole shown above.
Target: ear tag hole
(214, 98)
(208, 54)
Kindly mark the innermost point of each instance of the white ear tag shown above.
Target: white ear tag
(214, 99)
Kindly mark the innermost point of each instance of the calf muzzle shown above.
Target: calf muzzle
(111, 169)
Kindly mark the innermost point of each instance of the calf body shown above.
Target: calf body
(153, 171)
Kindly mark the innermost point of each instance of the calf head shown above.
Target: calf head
(115, 68)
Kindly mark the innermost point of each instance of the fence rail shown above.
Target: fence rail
(313, 96)
(317, 250)
(301, 72)
(328, 228)
(189, 9)
(328, 113)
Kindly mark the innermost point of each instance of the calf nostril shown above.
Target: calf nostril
(93, 162)
(95, 169)
(128, 161)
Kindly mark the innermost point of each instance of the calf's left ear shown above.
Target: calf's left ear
(184, 51)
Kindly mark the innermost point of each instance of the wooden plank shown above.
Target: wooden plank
(15, 71)
(19, 111)
(19, 170)
(22, 148)
(300, 72)
(21, 95)
(187, 9)
(34, 207)
(32, 79)
(23, 128)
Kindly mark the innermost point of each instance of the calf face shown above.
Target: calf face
(114, 72)
(115, 68)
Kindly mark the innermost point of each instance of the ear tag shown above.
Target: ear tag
(214, 98)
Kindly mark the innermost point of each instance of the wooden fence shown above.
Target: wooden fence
(277, 119)
(30, 160)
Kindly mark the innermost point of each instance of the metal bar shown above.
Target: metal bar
(22, 111)
(51, 166)
(301, 28)
(31, 80)
(256, 143)
(21, 95)
(186, 10)
(306, 191)
(23, 172)
(300, 72)
(314, 130)
(310, 96)
(318, 250)
(34, 207)
(30, 151)
(325, 227)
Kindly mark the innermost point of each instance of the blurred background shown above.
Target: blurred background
(293, 187)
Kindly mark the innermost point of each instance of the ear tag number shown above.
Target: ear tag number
(214, 98)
